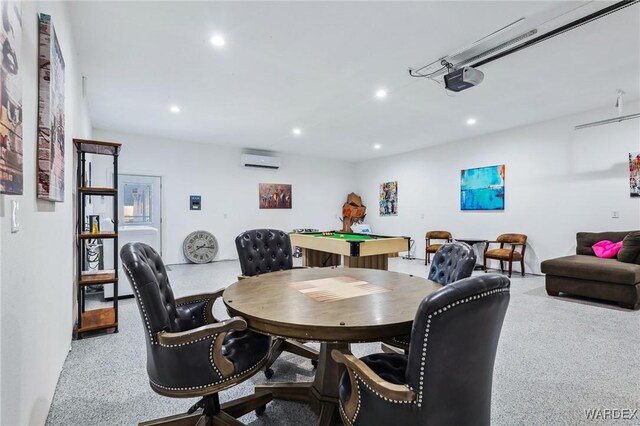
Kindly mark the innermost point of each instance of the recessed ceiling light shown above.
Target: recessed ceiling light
(218, 41)
(296, 131)
(174, 108)
(471, 121)
(381, 93)
(377, 146)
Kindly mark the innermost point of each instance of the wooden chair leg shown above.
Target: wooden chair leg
(484, 263)
(502, 266)
(510, 268)
(522, 266)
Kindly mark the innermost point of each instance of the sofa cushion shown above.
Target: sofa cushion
(630, 252)
(592, 268)
(585, 240)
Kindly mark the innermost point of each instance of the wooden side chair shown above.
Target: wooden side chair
(507, 254)
(190, 353)
(261, 251)
(432, 247)
(446, 377)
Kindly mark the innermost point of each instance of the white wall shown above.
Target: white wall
(319, 187)
(558, 181)
(37, 272)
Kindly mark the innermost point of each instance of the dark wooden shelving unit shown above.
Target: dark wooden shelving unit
(103, 318)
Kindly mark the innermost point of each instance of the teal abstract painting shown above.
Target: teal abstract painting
(482, 188)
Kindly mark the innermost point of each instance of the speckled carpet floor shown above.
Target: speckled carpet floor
(557, 357)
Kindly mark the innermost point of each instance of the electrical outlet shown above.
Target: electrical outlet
(615, 214)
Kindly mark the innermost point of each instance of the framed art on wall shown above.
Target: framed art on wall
(275, 196)
(50, 114)
(389, 198)
(11, 153)
(482, 188)
(634, 174)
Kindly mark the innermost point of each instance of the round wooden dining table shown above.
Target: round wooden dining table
(333, 306)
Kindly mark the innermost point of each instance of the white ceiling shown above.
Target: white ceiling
(317, 66)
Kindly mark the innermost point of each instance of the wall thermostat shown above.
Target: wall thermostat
(195, 202)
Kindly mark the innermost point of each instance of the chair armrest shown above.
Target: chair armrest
(215, 333)
(208, 298)
(371, 379)
(209, 330)
(486, 247)
(199, 297)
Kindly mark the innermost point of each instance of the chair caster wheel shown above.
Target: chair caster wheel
(314, 363)
(268, 373)
(260, 410)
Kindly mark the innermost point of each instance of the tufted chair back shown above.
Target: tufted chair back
(512, 238)
(264, 250)
(452, 262)
(153, 292)
(450, 368)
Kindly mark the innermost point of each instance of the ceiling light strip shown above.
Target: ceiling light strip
(608, 121)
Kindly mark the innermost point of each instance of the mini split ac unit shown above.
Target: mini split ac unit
(262, 161)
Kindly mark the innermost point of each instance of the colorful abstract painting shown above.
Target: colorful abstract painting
(634, 173)
(275, 196)
(389, 198)
(50, 114)
(11, 160)
(482, 188)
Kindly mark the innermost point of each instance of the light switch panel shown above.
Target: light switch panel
(15, 224)
(615, 214)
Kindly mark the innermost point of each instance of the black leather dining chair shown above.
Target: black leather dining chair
(261, 251)
(452, 262)
(447, 376)
(190, 353)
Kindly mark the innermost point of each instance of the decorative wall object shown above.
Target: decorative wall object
(50, 114)
(482, 188)
(389, 198)
(634, 173)
(275, 196)
(11, 160)
(353, 212)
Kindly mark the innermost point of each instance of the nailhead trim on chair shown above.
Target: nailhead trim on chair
(210, 384)
(204, 308)
(344, 415)
(204, 311)
(395, 401)
(211, 336)
(144, 311)
(355, 415)
(426, 332)
(213, 363)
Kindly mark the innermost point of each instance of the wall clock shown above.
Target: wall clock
(200, 247)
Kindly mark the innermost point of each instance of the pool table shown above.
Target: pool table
(358, 250)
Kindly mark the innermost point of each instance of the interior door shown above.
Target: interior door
(140, 202)
(139, 216)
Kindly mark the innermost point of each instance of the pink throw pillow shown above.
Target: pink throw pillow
(606, 248)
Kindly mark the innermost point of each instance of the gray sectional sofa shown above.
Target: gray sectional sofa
(584, 274)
